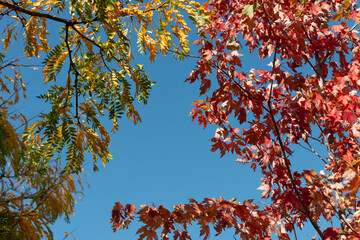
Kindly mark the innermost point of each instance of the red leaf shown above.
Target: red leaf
(267, 142)
(315, 9)
(337, 28)
(331, 234)
(130, 209)
(266, 190)
(349, 116)
(205, 85)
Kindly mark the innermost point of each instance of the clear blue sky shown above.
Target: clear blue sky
(165, 160)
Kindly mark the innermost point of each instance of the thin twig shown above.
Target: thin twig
(185, 55)
(72, 66)
(289, 220)
(70, 233)
(340, 215)
(311, 149)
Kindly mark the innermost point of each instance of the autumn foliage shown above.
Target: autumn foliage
(84, 50)
(308, 97)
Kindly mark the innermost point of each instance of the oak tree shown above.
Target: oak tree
(308, 97)
(85, 50)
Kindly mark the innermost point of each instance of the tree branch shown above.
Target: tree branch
(72, 66)
(311, 149)
(287, 162)
(43, 15)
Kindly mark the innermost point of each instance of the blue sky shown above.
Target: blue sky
(165, 160)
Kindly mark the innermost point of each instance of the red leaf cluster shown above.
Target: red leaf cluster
(245, 218)
(307, 97)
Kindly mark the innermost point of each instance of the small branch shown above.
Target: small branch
(104, 61)
(96, 44)
(70, 233)
(43, 15)
(330, 151)
(5, 13)
(72, 66)
(290, 40)
(319, 63)
(295, 236)
(250, 96)
(185, 55)
(11, 63)
(287, 162)
(83, 36)
(155, 8)
(276, 182)
(240, 230)
(341, 215)
(353, 27)
(289, 220)
(316, 139)
(273, 69)
(311, 149)
(30, 119)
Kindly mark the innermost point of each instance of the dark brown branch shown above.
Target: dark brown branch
(250, 96)
(96, 44)
(43, 15)
(84, 37)
(319, 63)
(73, 67)
(287, 162)
(57, 19)
(11, 63)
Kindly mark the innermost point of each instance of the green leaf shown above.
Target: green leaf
(250, 9)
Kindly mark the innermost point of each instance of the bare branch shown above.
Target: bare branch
(43, 15)
(311, 149)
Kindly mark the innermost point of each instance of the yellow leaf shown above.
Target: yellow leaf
(7, 38)
(197, 102)
(206, 107)
(353, 163)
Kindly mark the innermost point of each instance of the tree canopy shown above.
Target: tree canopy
(88, 67)
(307, 97)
